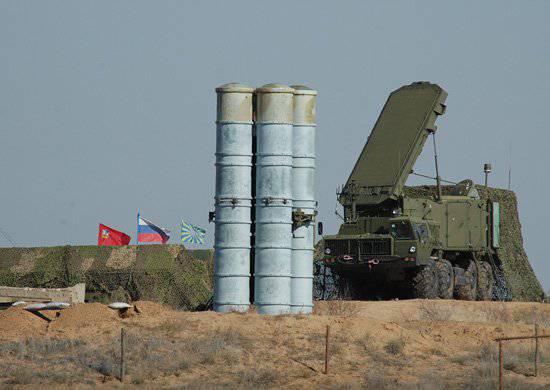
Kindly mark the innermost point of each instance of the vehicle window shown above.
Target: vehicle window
(401, 230)
(421, 231)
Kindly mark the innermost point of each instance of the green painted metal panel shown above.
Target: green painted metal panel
(496, 224)
(395, 143)
(458, 228)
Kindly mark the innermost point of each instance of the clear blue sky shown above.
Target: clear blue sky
(107, 107)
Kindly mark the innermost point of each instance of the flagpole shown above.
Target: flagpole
(137, 229)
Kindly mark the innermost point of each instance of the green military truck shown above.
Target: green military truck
(395, 245)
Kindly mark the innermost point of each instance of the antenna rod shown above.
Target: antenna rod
(437, 177)
(510, 166)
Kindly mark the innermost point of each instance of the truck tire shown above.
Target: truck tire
(466, 281)
(445, 278)
(425, 282)
(486, 282)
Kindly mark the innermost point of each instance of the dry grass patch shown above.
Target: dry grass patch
(367, 342)
(261, 378)
(147, 357)
(519, 357)
(484, 362)
(501, 313)
(395, 346)
(53, 360)
(157, 355)
(434, 313)
(339, 309)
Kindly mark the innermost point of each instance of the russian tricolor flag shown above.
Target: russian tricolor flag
(149, 232)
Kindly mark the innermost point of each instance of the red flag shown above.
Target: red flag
(110, 237)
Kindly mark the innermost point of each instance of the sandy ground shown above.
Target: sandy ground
(393, 344)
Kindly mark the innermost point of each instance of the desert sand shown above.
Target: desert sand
(392, 344)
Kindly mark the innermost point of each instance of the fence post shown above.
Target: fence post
(536, 348)
(500, 365)
(122, 354)
(326, 349)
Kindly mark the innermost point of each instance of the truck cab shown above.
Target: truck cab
(392, 243)
(412, 239)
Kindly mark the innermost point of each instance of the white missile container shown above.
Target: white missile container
(304, 204)
(233, 199)
(273, 238)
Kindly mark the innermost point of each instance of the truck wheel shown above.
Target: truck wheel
(466, 282)
(425, 282)
(445, 278)
(486, 281)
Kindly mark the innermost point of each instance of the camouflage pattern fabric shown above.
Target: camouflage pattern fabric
(168, 274)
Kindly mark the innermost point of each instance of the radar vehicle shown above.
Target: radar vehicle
(392, 243)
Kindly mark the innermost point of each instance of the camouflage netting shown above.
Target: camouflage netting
(521, 281)
(169, 274)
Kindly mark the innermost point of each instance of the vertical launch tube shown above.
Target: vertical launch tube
(233, 198)
(303, 203)
(273, 238)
